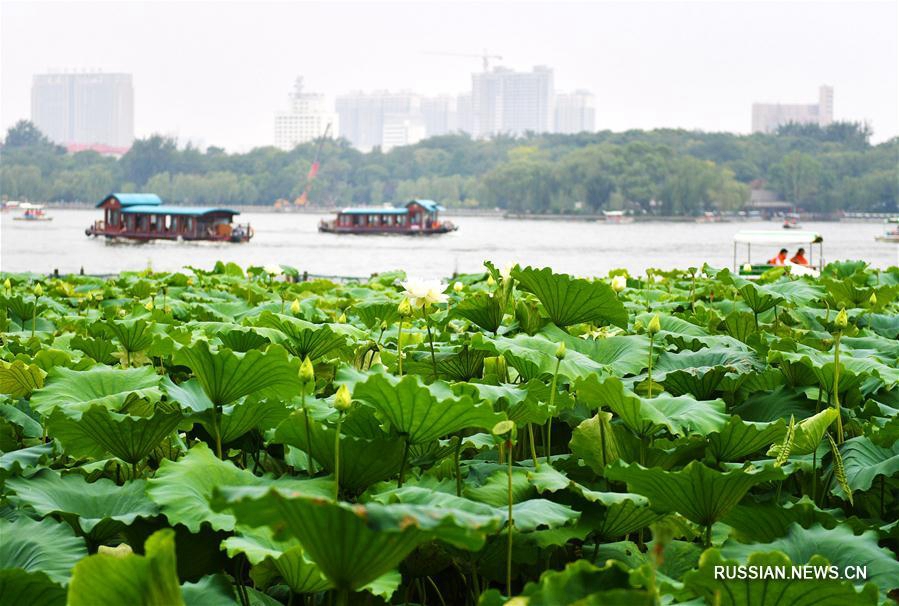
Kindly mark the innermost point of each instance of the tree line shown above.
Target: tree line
(666, 172)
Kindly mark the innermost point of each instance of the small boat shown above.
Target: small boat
(417, 217)
(791, 221)
(772, 240)
(145, 217)
(33, 212)
(891, 234)
(617, 217)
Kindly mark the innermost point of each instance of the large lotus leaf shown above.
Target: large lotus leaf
(375, 312)
(673, 326)
(100, 350)
(623, 355)
(23, 588)
(482, 309)
(305, 339)
(809, 433)
(758, 298)
(838, 545)
(75, 391)
(28, 426)
(132, 335)
(740, 438)
(423, 413)
(363, 461)
(607, 514)
(227, 376)
(697, 492)
(797, 292)
(19, 379)
(821, 364)
(285, 556)
(581, 583)
(568, 300)
(779, 403)
(99, 431)
(700, 372)
(885, 325)
(241, 339)
(535, 357)
(864, 461)
(100, 508)
(772, 591)
(522, 403)
(594, 442)
(211, 590)
(764, 522)
(681, 415)
(48, 547)
(140, 580)
(16, 461)
(354, 544)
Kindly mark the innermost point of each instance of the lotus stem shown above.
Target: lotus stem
(437, 590)
(652, 338)
(34, 316)
(309, 466)
(457, 466)
(218, 432)
(424, 312)
(402, 478)
(552, 403)
(815, 475)
(399, 347)
(509, 546)
(533, 449)
(708, 535)
(337, 457)
(836, 385)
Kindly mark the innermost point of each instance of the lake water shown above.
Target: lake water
(582, 248)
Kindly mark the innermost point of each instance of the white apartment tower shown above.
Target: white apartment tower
(440, 115)
(306, 119)
(380, 119)
(509, 102)
(768, 117)
(575, 112)
(84, 108)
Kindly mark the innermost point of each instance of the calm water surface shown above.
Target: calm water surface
(292, 239)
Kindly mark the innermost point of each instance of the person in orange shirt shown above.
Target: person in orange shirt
(799, 257)
(780, 259)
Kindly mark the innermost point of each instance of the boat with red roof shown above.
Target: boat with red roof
(417, 217)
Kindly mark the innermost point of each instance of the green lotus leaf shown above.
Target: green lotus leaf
(865, 461)
(699, 493)
(681, 415)
(583, 584)
(150, 579)
(481, 309)
(821, 364)
(701, 372)
(772, 592)
(211, 590)
(838, 545)
(100, 508)
(18, 586)
(674, 326)
(363, 461)
(227, 376)
(19, 379)
(885, 325)
(376, 312)
(521, 403)
(99, 431)
(303, 339)
(809, 433)
(242, 340)
(28, 426)
(352, 544)
(623, 355)
(17, 461)
(423, 413)
(797, 292)
(569, 300)
(133, 335)
(740, 438)
(594, 442)
(75, 391)
(47, 547)
(758, 298)
(765, 522)
(535, 357)
(100, 350)
(283, 558)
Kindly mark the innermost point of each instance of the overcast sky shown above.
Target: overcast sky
(215, 72)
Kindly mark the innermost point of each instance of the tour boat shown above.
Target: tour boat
(617, 217)
(770, 241)
(891, 234)
(145, 217)
(416, 217)
(33, 212)
(791, 221)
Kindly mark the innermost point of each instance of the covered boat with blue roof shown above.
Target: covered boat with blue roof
(145, 217)
(416, 217)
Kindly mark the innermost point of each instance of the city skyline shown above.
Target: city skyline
(640, 60)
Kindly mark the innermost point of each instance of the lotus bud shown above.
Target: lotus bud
(490, 281)
(503, 427)
(560, 351)
(842, 319)
(149, 305)
(619, 283)
(295, 307)
(7, 285)
(655, 325)
(343, 400)
(38, 290)
(341, 319)
(405, 308)
(872, 300)
(121, 550)
(307, 372)
(457, 287)
(638, 326)
(747, 268)
(122, 313)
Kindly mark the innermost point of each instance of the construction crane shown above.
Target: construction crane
(313, 170)
(485, 57)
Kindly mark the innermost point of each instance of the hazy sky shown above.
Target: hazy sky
(215, 72)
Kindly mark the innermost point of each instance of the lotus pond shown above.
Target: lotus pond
(512, 437)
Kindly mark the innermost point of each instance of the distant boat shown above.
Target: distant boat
(417, 217)
(891, 234)
(791, 221)
(617, 217)
(145, 217)
(33, 212)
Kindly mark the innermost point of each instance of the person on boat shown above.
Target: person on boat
(799, 258)
(780, 259)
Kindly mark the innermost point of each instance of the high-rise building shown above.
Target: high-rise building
(400, 129)
(306, 119)
(768, 117)
(84, 108)
(509, 102)
(575, 112)
(363, 117)
(440, 115)
(464, 116)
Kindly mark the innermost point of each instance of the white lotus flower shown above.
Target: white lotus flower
(506, 272)
(422, 293)
(274, 270)
(619, 283)
(747, 268)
